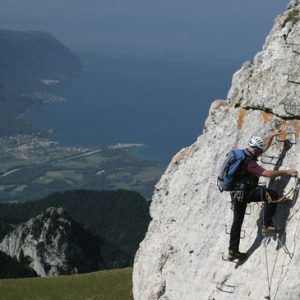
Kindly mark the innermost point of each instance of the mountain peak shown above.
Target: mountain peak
(54, 244)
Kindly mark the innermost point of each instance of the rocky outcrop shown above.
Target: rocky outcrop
(271, 82)
(181, 255)
(53, 244)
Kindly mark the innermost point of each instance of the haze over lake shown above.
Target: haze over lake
(158, 102)
(152, 68)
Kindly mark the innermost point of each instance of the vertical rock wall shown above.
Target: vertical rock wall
(181, 255)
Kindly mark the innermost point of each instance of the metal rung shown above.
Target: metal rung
(296, 48)
(289, 136)
(293, 78)
(295, 45)
(227, 231)
(225, 258)
(291, 108)
(292, 43)
(269, 160)
(226, 288)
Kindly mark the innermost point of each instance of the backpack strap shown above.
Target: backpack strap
(246, 181)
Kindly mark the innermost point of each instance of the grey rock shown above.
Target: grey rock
(274, 76)
(181, 255)
(293, 3)
(53, 244)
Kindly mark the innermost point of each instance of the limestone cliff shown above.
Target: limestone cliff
(53, 244)
(181, 255)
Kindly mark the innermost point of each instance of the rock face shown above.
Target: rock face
(53, 244)
(181, 255)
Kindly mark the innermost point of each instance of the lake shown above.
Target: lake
(157, 101)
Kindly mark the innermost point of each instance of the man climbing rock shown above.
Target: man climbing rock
(247, 176)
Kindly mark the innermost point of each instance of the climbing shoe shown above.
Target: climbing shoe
(272, 229)
(234, 254)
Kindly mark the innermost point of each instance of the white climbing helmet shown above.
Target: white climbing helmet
(256, 142)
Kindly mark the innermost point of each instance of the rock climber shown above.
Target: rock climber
(249, 172)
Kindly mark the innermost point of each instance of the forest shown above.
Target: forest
(119, 218)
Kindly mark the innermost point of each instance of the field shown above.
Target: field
(103, 285)
(32, 168)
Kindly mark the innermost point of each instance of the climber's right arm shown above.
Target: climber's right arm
(276, 173)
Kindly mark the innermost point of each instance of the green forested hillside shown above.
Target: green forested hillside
(11, 268)
(103, 285)
(27, 57)
(120, 218)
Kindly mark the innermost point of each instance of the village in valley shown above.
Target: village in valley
(33, 166)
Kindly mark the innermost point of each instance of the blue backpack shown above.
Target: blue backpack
(227, 181)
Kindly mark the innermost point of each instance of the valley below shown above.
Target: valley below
(32, 167)
(34, 160)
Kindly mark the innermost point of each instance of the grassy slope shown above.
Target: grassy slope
(103, 285)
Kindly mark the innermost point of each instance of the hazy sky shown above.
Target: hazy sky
(220, 29)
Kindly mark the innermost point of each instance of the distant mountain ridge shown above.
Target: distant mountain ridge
(35, 54)
(30, 62)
